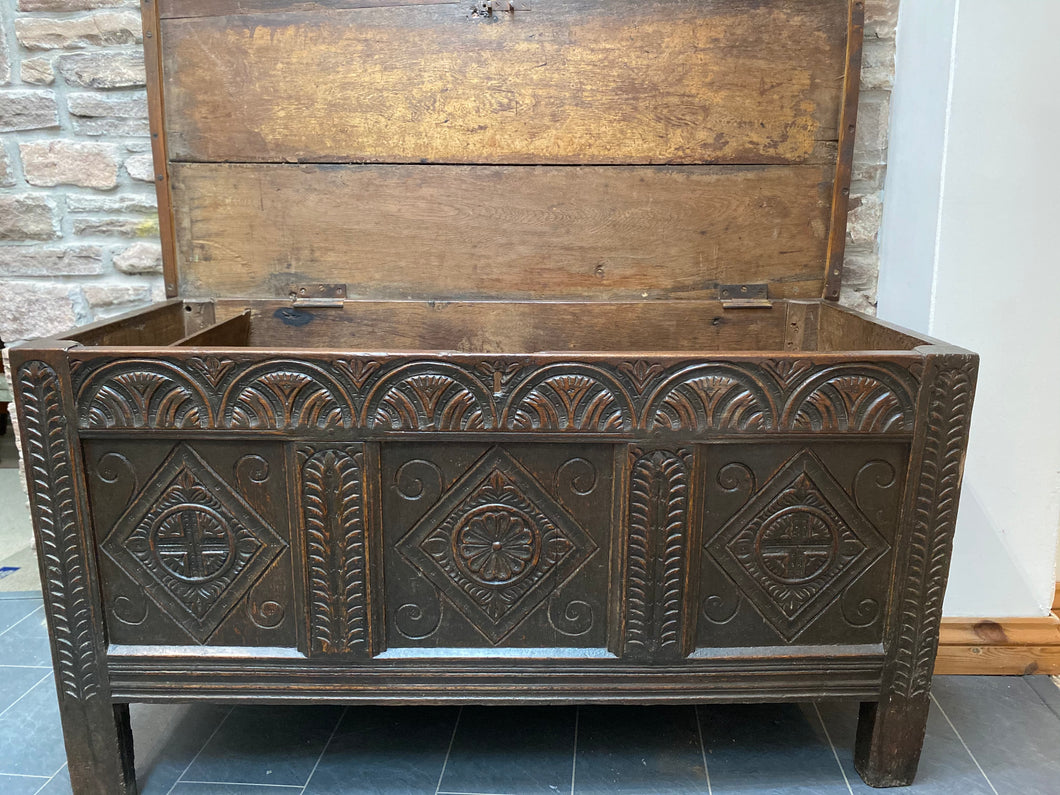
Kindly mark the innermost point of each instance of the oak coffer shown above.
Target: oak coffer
(502, 364)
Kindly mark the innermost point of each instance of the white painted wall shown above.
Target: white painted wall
(969, 254)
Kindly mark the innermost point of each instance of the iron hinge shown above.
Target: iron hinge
(744, 296)
(317, 295)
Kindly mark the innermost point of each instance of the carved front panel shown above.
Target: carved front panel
(797, 542)
(194, 541)
(496, 546)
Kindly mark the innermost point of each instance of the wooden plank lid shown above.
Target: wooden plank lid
(538, 149)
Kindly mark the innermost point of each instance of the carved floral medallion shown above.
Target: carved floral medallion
(796, 545)
(496, 545)
(194, 544)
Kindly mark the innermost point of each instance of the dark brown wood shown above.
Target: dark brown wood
(460, 232)
(837, 229)
(603, 484)
(97, 734)
(564, 81)
(231, 333)
(891, 731)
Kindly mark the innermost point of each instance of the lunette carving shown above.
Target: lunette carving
(333, 514)
(400, 394)
(933, 520)
(50, 472)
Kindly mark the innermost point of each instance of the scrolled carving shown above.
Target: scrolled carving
(737, 478)
(864, 613)
(50, 473)
(265, 615)
(416, 622)
(419, 479)
(113, 468)
(574, 620)
(129, 611)
(578, 476)
(720, 607)
(871, 482)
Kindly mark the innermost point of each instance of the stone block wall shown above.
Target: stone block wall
(78, 217)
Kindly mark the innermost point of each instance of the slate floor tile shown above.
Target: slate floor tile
(266, 745)
(20, 785)
(513, 750)
(386, 750)
(1047, 691)
(31, 738)
(217, 788)
(166, 739)
(15, 683)
(769, 748)
(14, 610)
(1013, 735)
(26, 642)
(59, 785)
(945, 767)
(642, 750)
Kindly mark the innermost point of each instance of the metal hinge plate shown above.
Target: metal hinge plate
(318, 295)
(744, 296)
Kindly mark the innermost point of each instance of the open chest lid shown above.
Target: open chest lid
(538, 149)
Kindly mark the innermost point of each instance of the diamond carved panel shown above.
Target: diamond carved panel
(496, 545)
(194, 544)
(796, 545)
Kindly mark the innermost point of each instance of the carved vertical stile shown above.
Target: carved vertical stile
(658, 548)
(891, 732)
(335, 528)
(98, 740)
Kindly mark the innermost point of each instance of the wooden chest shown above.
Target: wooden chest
(502, 365)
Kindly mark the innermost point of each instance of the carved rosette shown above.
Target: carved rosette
(657, 553)
(796, 545)
(58, 520)
(934, 517)
(193, 543)
(497, 545)
(333, 517)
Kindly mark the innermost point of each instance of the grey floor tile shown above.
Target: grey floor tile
(769, 748)
(522, 750)
(1014, 737)
(14, 610)
(166, 739)
(1047, 691)
(227, 788)
(17, 595)
(15, 683)
(26, 643)
(266, 745)
(59, 785)
(20, 785)
(945, 766)
(643, 750)
(31, 738)
(391, 750)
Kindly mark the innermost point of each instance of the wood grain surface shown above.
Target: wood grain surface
(452, 232)
(557, 81)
